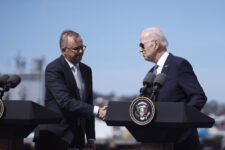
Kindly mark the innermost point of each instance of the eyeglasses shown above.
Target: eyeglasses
(83, 47)
(142, 45)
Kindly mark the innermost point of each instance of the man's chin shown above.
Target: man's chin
(80, 59)
(147, 59)
(76, 61)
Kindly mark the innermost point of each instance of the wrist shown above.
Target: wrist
(96, 110)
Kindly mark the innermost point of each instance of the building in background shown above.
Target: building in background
(32, 83)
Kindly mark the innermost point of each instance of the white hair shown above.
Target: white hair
(156, 34)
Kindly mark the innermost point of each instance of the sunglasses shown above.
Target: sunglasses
(142, 45)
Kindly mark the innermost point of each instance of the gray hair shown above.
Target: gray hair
(64, 37)
(156, 34)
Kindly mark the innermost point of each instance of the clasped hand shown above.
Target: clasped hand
(102, 112)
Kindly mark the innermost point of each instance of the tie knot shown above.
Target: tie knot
(75, 68)
(155, 69)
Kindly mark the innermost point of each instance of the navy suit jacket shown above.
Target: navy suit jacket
(181, 86)
(62, 96)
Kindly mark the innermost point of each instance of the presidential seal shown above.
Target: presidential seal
(1, 108)
(142, 110)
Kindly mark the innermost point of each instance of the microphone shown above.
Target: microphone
(12, 82)
(158, 83)
(147, 82)
(7, 82)
(3, 80)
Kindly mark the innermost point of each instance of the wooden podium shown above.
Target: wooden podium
(19, 120)
(171, 120)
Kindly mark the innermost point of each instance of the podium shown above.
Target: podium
(170, 121)
(19, 120)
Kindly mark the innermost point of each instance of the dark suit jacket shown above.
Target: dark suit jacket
(62, 96)
(182, 86)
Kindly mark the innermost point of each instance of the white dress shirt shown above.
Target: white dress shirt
(160, 63)
(80, 84)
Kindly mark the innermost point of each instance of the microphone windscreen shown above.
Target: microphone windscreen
(14, 80)
(3, 80)
(149, 78)
(160, 79)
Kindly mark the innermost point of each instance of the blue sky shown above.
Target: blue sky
(111, 29)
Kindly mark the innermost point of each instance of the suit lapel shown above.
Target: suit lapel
(69, 77)
(166, 65)
(84, 74)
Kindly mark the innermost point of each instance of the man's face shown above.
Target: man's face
(147, 47)
(73, 52)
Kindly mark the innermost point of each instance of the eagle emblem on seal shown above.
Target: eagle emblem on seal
(142, 110)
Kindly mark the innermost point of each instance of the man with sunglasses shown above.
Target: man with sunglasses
(182, 84)
(69, 92)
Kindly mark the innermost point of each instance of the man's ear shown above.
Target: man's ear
(157, 44)
(63, 49)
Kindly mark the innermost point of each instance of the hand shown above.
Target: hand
(91, 144)
(102, 112)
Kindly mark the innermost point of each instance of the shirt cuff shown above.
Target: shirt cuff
(91, 139)
(95, 111)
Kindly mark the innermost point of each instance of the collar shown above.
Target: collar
(162, 59)
(70, 64)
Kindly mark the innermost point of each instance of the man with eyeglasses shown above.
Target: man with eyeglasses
(69, 92)
(182, 84)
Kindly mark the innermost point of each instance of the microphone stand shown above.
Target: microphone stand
(154, 93)
(4, 89)
(153, 96)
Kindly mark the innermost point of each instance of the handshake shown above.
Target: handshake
(102, 112)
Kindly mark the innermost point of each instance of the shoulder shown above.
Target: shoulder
(84, 66)
(179, 61)
(181, 64)
(55, 64)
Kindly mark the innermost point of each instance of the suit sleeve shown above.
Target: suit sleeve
(55, 83)
(188, 82)
(90, 122)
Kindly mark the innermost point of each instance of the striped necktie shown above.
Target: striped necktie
(79, 81)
